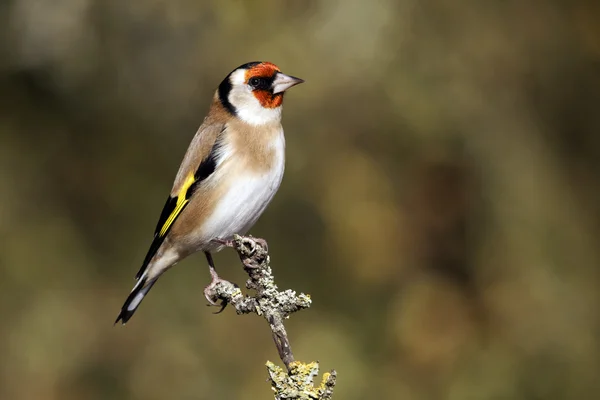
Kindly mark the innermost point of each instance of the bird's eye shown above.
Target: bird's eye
(254, 82)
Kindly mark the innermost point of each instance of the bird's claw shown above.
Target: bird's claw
(223, 304)
(210, 293)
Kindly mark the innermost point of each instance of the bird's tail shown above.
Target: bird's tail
(140, 290)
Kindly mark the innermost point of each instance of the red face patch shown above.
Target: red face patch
(262, 70)
(265, 97)
(268, 99)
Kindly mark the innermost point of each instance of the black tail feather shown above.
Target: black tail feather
(134, 299)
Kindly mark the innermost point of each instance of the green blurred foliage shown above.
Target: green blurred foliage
(441, 200)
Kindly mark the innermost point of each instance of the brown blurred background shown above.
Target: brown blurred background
(441, 199)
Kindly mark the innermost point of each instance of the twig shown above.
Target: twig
(275, 306)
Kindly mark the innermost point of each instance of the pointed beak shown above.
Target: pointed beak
(283, 82)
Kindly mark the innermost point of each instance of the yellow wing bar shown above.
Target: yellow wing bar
(181, 202)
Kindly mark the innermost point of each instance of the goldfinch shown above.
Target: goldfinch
(229, 174)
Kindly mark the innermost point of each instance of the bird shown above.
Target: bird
(229, 174)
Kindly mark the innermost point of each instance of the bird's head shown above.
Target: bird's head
(254, 92)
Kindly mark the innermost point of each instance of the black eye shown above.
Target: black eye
(259, 83)
(254, 82)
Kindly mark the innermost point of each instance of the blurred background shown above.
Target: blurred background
(441, 201)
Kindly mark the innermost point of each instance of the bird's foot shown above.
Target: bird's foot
(262, 243)
(210, 292)
(251, 261)
(229, 243)
(223, 242)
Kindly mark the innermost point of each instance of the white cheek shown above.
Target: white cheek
(255, 114)
(247, 106)
(238, 78)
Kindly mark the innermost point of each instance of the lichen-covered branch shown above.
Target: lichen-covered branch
(275, 306)
(298, 382)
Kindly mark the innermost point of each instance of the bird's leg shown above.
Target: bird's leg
(215, 280)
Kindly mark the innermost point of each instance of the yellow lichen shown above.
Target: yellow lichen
(298, 383)
(326, 376)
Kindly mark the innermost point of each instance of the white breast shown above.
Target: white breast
(246, 198)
